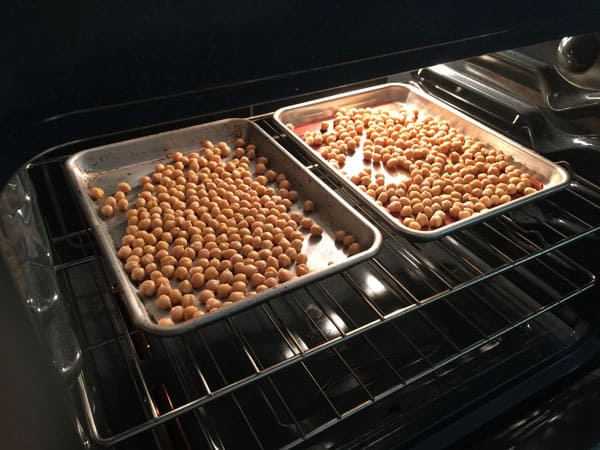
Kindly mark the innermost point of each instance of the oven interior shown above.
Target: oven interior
(418, 346)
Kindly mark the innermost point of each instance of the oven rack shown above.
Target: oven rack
(493, 265)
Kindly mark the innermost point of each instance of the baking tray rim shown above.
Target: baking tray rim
(130, 297)
(423, 235)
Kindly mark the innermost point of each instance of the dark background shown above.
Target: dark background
(69, 55)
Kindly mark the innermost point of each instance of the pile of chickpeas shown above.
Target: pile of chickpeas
(450, 176)
(208, 231)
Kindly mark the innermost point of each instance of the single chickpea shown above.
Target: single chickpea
(422, 219)
(185, 287)
(96, 193)
(271, 282)
(316, 230)
(435, 221)
(454, 211)
(177, 314)
(123, 204)
(190, 311)
(205, 295)
(183, 300)
(181, 273)
(138, 274)
(166, 322)
(413, 224)
(147, 288)
(223, 290)
(353, 248)
(306, 223)
(124, 252)
(163, 302)
(235, 296)
(197, 279)
(110, 200)
(124, 187)
(176, 296)
(107, 211)
(257, 279)
(308, 206)
(302, 269)
(504, 199)
(212, 304)
(261, 288)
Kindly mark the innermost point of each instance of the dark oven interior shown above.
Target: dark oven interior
(419, 346)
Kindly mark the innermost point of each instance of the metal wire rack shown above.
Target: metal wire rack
(375, 329)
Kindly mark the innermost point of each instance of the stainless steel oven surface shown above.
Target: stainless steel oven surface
(483, 336)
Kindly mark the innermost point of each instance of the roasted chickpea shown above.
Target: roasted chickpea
(166, 322)
(138, 274)
(147, 288)
(316, 230)
(124, 187)
(212, 304)
(205, 295)
(177, 314)
(163, 302)
(107, 211)
(302, 269)
(96, 193)
(353, 248)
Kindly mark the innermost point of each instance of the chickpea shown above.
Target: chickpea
(529, 190)
(261, 288)
(166, 322)
(190, 311)
(270, 282)
(435, 221)
(308, 206)
(124, 252)
(211, 273)
(177, 314)
(147, 288)
(422, 219)
(188, 300)
(110, 200)
(163, 302)
(123, 204)
(96, 193)
(197, 279)
(185, 287)
(235, 296)
(306, 223)
(223, 290)
(316, 230)
(212, 304)
(205, 295)
(353, 248)
(124, 187)
(107, 211)
(504, 199)
(138, 274)
(257, 279)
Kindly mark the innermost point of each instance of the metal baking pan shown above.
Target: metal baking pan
(128, 161)
(309, 115)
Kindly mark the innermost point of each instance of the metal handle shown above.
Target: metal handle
(485, 91)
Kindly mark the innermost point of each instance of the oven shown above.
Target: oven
(484, 336)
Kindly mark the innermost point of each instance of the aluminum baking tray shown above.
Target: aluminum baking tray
(309, 115)
(128, 161)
